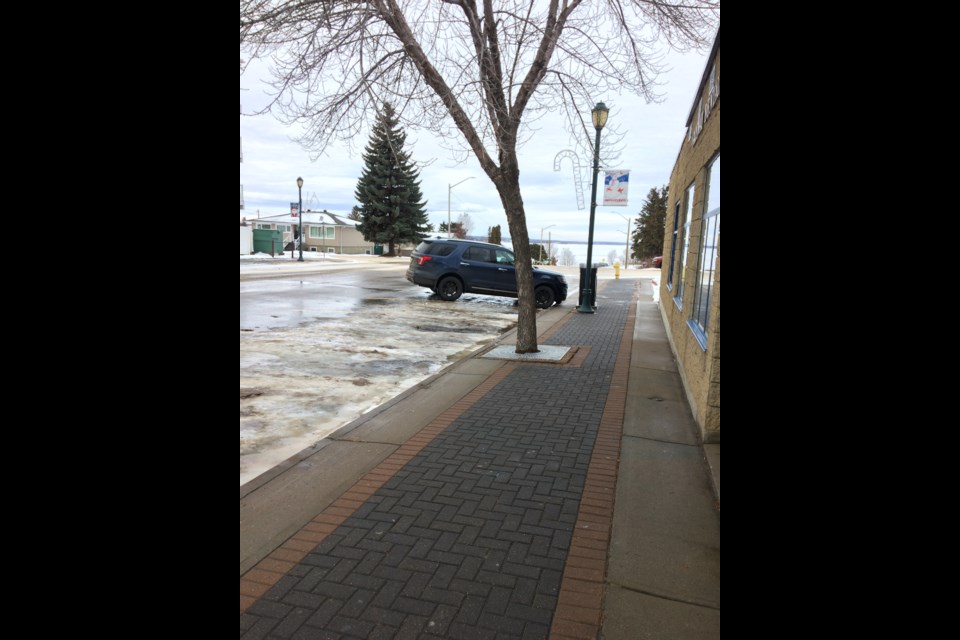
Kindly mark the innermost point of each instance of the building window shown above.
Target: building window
(673, 245)
(261, 225)
(713, 88)
(322, 232)
(684, 243)
(707, 256)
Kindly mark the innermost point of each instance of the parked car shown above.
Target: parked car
(658, 262)
(451, 267)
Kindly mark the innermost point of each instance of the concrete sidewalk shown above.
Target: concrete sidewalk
(502, 498)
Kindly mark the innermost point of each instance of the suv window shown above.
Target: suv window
(435, 248)
(481, 254)
(504, 256)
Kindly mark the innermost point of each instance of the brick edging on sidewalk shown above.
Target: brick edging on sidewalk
(266, 573)
(580, 601)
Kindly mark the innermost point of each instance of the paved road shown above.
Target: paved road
(289, 300)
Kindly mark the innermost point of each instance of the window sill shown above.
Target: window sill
(698, 334)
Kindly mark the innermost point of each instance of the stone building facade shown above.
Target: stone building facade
(690, 274)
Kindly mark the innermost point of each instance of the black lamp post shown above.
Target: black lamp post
(300, 210)
(599, 115)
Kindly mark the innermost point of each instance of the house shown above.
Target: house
(690, 275)
(326, 232)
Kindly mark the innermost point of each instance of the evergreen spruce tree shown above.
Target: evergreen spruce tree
(648, 236)
(392, 210)
(493, 235)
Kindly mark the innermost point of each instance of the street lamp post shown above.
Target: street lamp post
(599, 115)
(300, 213)
(541, 240)
(449, 189)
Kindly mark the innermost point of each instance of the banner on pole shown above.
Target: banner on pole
(615, 188)
(294, 209)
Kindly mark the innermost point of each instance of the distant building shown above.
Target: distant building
(690, 275)
(326, 232)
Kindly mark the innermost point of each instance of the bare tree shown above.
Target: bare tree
(567, 258)
(479, 74)
(466, 223)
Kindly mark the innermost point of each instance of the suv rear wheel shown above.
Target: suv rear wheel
(544, 296)
(450, 288)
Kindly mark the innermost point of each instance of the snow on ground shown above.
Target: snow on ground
(300, 384)
(312, 256)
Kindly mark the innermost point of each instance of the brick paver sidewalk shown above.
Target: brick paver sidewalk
(492, 522)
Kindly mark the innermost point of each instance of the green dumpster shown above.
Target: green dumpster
(378, 249)
(267, 241)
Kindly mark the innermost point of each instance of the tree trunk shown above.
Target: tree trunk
(509, 191)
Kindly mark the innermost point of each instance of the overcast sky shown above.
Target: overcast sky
(272, 162)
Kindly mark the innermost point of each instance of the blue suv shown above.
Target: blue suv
(451, 268)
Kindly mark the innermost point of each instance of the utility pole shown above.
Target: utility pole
(626, 250)
(449, 189)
